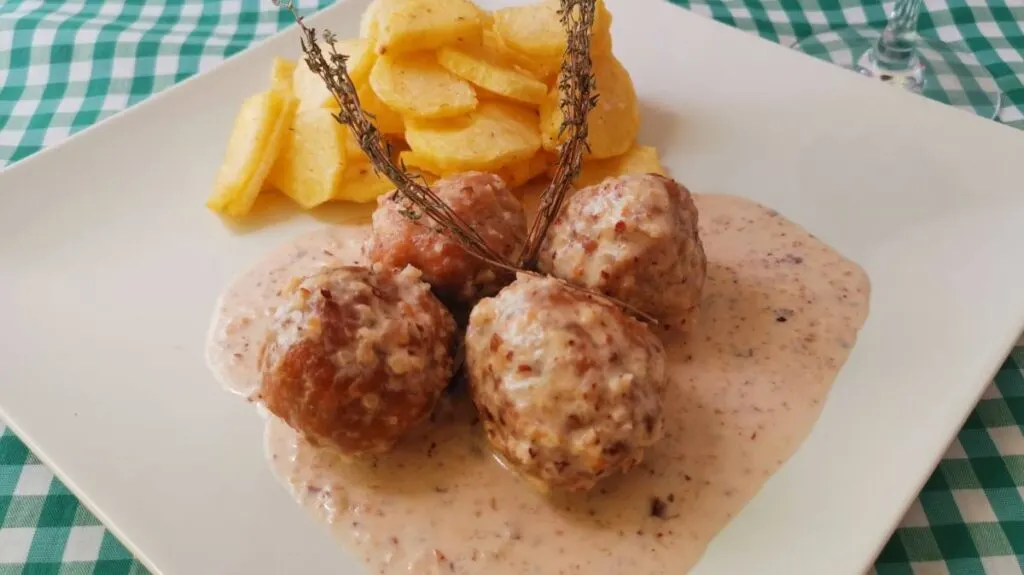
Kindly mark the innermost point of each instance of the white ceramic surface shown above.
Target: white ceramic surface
(110, 267)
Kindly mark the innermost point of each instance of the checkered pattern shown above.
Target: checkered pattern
(969, 518)
(45, 529)
(65, 65)
(993, 31)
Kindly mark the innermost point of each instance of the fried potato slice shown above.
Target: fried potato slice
(362, 184)
(415, 25)
(486, 71)
(486, 18)
(311, 163)
(415, 161)
(416, 85)
(310, 89)
(494, 135)
(361, 58)
(353, 153)
(612, 124)
(637, 160)
(253, 145)
(514, 174)
(491, 43)
(388, 121)
(368, 22)
(281, 73)
(536, 30)
(519, 173)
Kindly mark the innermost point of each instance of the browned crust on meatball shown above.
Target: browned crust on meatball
(635, 238)
(357, 357)
(568, 388)
(483, 202)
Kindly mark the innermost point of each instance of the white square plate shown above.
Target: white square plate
(111, 265)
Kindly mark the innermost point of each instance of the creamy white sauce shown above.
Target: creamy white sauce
(245, 309)
(780, 314)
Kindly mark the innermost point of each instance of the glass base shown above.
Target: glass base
(945, 72)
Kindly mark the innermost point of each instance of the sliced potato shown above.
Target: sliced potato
(362, 184)
(361, 58)
(612, 124)
(519, 173)
(514, 174)
(474, 65)
(415, 161)
(368, 21)
(427, 177)
(415, 25)
(353, 153)
(416, 85)
(253, 145)
(388, 121)
(311, 162)
(496, 48)
(281, 73)
(486, 18)
(310, 89)
(495, 134)
(637, 160)
(536, 29)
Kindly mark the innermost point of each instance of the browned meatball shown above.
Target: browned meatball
(569, 388)
(635, 238)
(484, 203)
(356, 357)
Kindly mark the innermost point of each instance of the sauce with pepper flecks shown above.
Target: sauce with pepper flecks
(246, 308)
(779, 315)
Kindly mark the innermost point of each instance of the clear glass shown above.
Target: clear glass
(942, 71)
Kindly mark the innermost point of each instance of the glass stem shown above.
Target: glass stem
(895, 48)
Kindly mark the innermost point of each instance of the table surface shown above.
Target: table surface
(65, 65)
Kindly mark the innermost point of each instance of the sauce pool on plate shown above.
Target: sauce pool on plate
(779, 315)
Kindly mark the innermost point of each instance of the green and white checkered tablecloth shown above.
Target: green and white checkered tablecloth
(66, 64)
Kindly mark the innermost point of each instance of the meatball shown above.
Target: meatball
(484, 202)
(634, 238)
(569, 388)
(356, 357)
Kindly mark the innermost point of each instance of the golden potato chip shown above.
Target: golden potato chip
(486, 18)
(519, 173)
(368, 22)
(475, 66)
(637, 160)
(362, 184)
(361, 58)
(493, 45)
(612, 124)
(387, 120)
(536, 30)
(514, 174)
(311, 162)
(416, 85)
(353, 152)
(253, 145)
(415, 25)
(412, 160)
(549, 66)
(495, 134)
(427, 177)
(281, 75)
(310, 89)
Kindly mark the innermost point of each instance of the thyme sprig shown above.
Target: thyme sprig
(578, 98)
